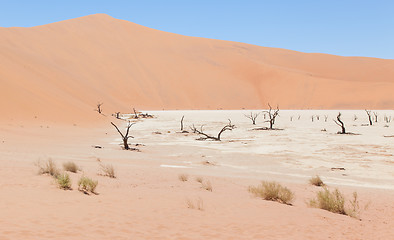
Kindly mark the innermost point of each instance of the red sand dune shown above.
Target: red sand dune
(61, 70)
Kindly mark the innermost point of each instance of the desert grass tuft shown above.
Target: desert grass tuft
(108, 170)
(183, 177)
(273, 191)
(316, 181)
(87, 185)
(331, 201)
(207, 185)
(64, 181)
(70, 166)
(199, 179)
(49, 167)
(198, 204)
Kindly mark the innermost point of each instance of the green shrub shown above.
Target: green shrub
(86, 185)
(64, 181)
(273, 191)
(331, 201)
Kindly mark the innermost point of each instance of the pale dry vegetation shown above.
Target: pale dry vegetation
(207, 185)
(71, 167)
(273, 191)
(49, 167)
(199, 179)
(183, 177)
(316, 181)
(108, 170)
(197, 204)
(335, 202)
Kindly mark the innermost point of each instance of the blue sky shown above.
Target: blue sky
(341, 27)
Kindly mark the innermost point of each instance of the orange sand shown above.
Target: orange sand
(61, 70)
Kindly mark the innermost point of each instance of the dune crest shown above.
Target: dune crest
(61, 70)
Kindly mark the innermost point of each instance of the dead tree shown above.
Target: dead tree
(387, 119)
(228, 127)
(272, 114)
(313, 117)
(291, 118)
(369, 116)
(135, 113)
(325, 118)
(253, 117)
(182, 123)
(355, 117)
(125, 137)
(340, 123)
(117, 115)
(376, 116)
(99, 109)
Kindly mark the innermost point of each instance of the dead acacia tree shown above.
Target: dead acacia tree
(228, 127)
(125, 137)
(253, 117)
(99, 109)
(369, 116)
(117, 115)
(340, 123)
(325, 118)
(182, 129)
(272, 114)
(376, 116)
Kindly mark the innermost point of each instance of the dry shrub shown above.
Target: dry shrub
(63, 181)
(108, 170)
(316, 181)
(86, 185)
(199, 179)
(198, 204)
(335, 202)
(70, 166)
(183, 177)
(273, 191)
(207, 186)
(49, 167)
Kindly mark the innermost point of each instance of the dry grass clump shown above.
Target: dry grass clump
(64, 181)
(198, 204)
(49, 167)
(183, 177)
(273, 191)
(199, 179)
(108, 170)
(335, 202)
(316, 181)
(70, 166)
(87, 185)
(207, 186)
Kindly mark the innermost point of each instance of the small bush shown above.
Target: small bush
(199, 179)
(273, 191)
(108, 170)
(207, 186)
(86, 185)
(198, 204)
(330, 201)
(70, 166)
(183, 177)
(49, 167)
(316, 181)
(64, 182)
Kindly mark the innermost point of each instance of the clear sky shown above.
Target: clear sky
(341, 27)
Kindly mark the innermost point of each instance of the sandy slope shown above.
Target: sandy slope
(61, 70)
(147, 201)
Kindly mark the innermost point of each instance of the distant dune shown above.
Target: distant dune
(61, 70)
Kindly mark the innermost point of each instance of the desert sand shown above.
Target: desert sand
(61, 70)
(52, 77)
(146, 200)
